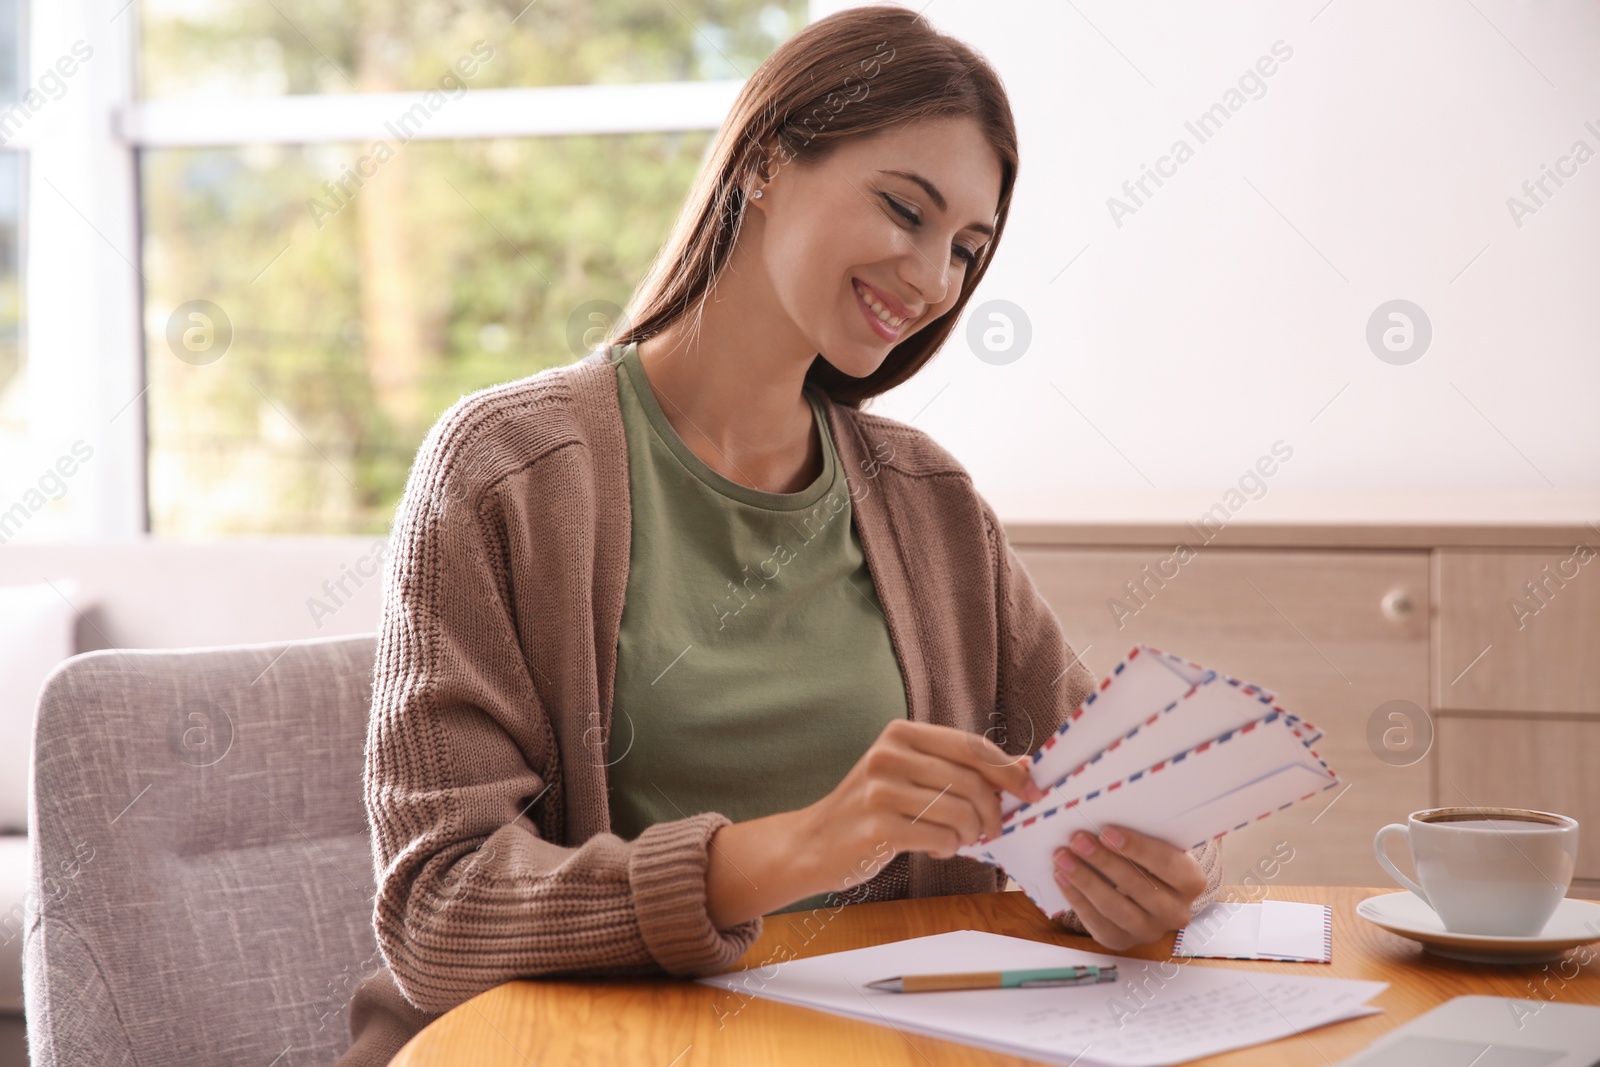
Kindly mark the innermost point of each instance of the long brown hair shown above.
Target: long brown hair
(852, 74)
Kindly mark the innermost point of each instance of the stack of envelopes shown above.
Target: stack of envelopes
(1165, 747)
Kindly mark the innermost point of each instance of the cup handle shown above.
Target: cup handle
(1387, 864)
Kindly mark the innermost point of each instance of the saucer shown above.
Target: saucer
(1575, 922)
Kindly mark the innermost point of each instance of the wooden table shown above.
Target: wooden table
(673, 1023)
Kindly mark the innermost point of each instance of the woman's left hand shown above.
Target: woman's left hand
(1126, 887)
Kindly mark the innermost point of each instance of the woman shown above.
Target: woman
(681, 637)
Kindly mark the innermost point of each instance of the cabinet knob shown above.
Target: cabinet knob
(1397, 604)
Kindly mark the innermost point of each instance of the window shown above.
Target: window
(13, 412)
(355, 320)
(350, 214)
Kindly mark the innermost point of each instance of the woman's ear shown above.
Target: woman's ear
(764, 163)
(757, 188)
(755, 196)
(770, 158)
(759, 180)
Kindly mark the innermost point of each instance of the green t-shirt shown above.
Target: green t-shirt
(754, 665)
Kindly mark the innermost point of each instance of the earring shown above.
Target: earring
(756, 195)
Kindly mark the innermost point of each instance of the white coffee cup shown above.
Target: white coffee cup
(1496, 871)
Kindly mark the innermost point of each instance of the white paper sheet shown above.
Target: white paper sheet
(1265, 930)
(1158, 1013)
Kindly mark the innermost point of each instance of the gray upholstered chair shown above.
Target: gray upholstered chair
(202, 886)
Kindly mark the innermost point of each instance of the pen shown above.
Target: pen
(1047, 976)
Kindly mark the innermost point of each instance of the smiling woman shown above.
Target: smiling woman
(903, 114)
(582, 759)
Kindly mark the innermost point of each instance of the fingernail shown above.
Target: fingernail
(1114, 837)
(1064, 861)
(1083, 844)
(1035, 793)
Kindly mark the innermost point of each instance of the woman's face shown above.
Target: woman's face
(893, 219)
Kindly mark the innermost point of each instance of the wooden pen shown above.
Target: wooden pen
(1034, 979)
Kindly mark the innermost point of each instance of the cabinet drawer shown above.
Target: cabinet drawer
(1524, 762)
(1519, 631)
(1337, 634)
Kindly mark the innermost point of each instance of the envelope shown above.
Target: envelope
(1263, 930)
(1193, 796)
(1144, 688)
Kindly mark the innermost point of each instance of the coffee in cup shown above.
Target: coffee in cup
(1492, 871)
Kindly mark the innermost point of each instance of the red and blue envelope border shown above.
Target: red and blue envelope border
(1293, 723)
(1300, 727)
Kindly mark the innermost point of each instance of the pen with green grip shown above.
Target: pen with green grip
(1034, 979)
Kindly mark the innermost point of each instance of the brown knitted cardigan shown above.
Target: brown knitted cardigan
(485, 778)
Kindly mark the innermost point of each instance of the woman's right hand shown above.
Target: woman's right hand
(919, 788)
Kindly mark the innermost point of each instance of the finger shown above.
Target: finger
(999, 769)
(1175, 866)
(1109, 899)
(935, 773)
(946, 807)
(906, 764)
(1166, 906)
(904, 817)
(1128, 876)
(1100, 928)
(936, 819)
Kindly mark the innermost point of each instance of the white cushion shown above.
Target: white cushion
(37, 624)
(14, 860)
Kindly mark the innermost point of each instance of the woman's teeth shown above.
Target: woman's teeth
(878, 308)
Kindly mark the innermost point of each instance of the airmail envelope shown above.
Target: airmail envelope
(1205, 754)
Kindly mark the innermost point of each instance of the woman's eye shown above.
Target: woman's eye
(965, 255)
(901, 210)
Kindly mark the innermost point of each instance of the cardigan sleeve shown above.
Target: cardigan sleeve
(462, 753)
(1042, 680)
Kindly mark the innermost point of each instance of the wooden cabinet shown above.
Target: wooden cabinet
(1448, 663)
(1525, 762)
(1519, 631)
(1517, 684)
(1336, 635)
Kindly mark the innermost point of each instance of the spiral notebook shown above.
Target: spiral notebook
(1166, 747)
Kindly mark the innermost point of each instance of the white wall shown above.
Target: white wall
(1229, 310)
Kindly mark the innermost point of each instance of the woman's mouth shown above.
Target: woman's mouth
(884, 323)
